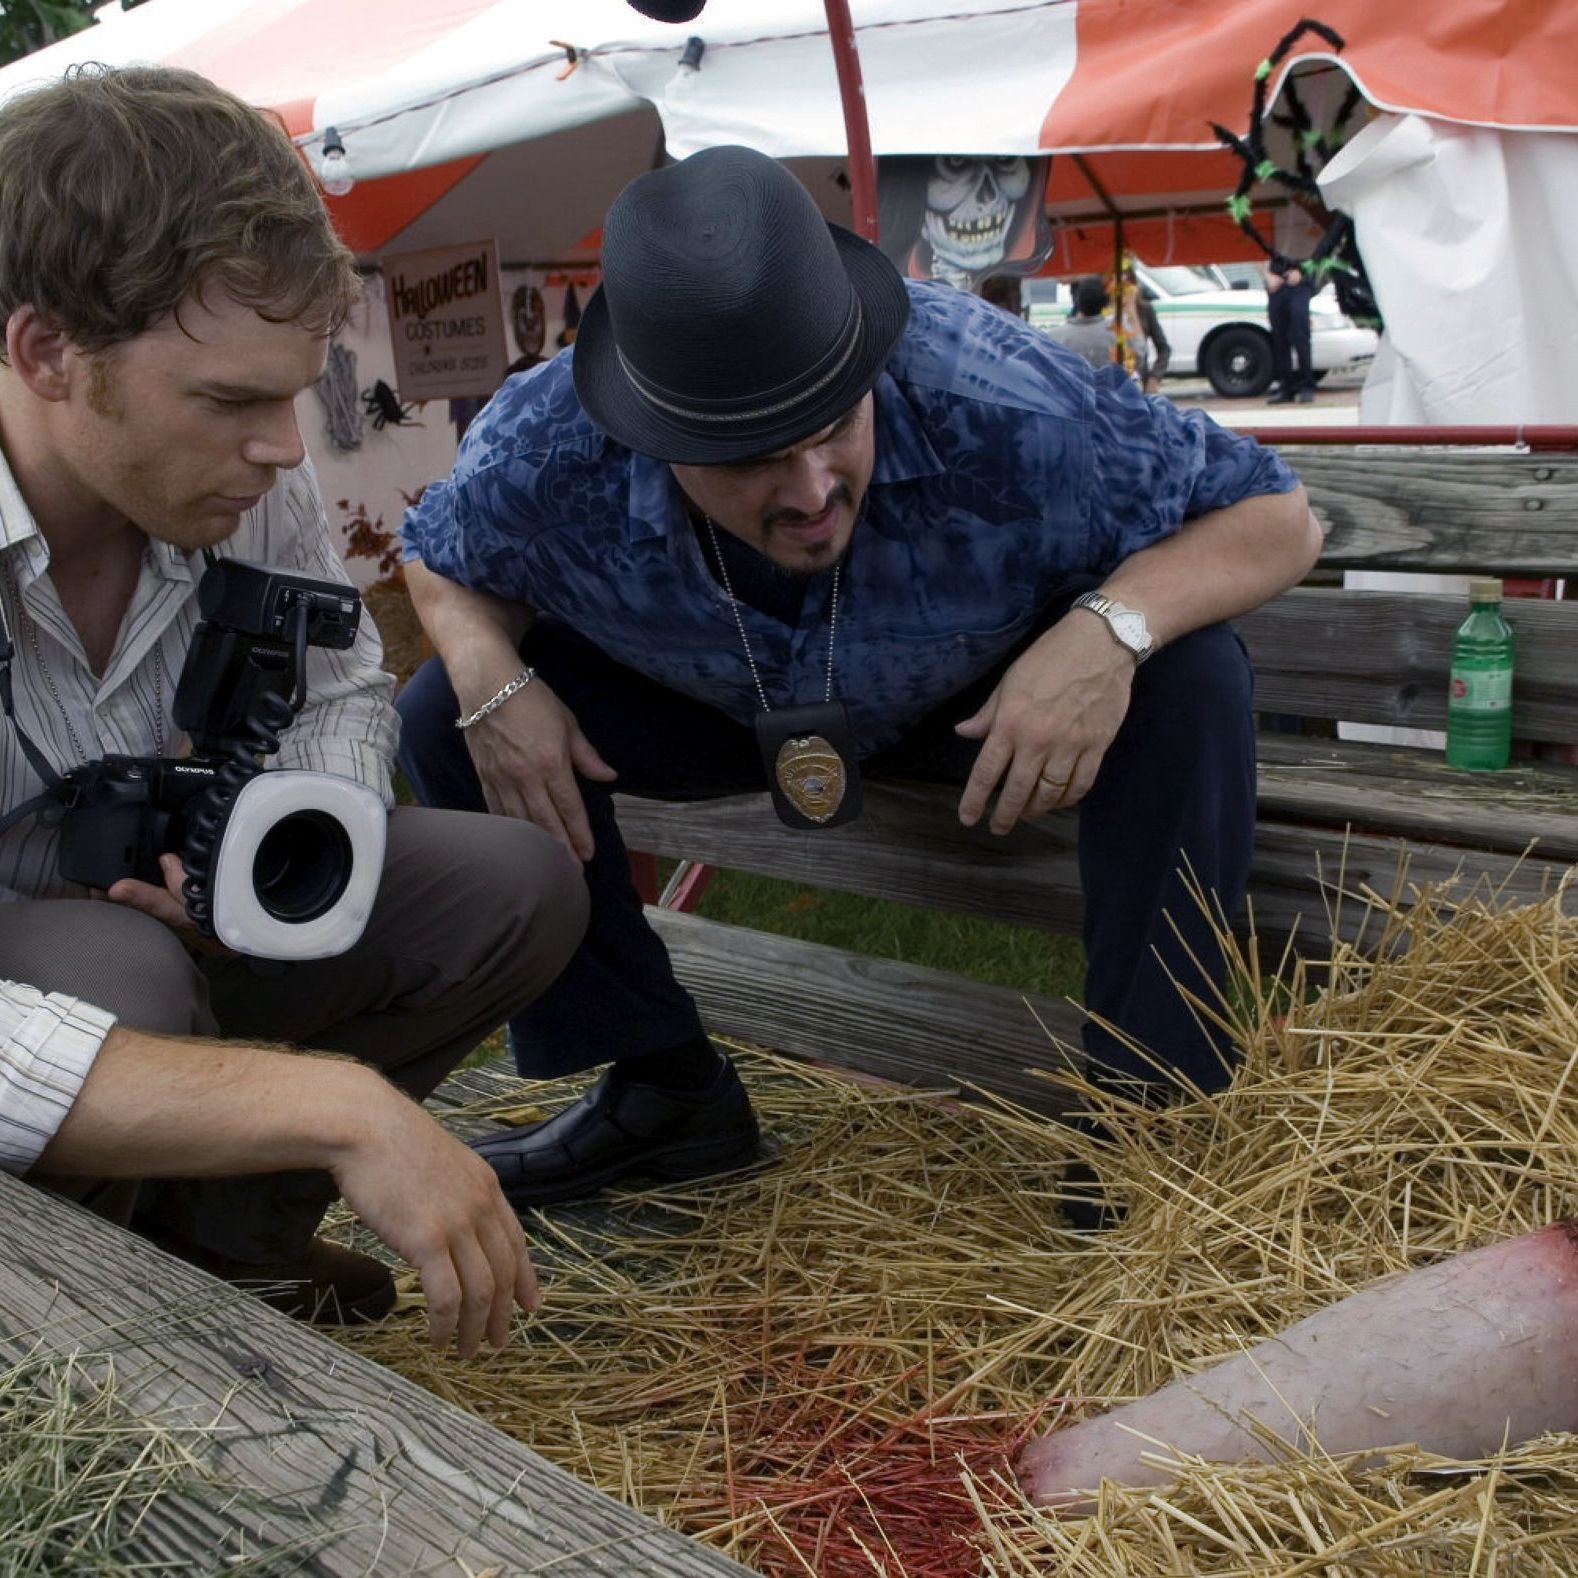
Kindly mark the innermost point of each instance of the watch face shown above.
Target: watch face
(1129, 628)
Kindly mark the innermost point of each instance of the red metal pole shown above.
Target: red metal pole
(857, 129)
(1531, 437)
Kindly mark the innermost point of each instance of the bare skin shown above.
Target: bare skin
(173, 436)
(1458, 1357)
(259, 1109)
(1044, 730)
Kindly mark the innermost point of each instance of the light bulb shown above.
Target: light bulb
(334, 168)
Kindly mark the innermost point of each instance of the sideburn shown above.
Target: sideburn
(103, 391)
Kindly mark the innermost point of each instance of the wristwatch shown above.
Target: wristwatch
(1126, 624)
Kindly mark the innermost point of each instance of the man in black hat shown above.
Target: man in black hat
(784, 520)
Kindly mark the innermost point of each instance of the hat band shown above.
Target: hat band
(691, 414)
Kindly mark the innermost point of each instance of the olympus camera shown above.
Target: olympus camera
(280, 864)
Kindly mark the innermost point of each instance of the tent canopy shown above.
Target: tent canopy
(521, 119)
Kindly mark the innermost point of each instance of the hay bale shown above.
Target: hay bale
(826, 1365)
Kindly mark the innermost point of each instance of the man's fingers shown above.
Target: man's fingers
(441, 1287)
(476, 1294)
(174, 877)
(587, 762)
(505, 1248)
(527, 1292)
(979, 724)
(541, 810)
(1021, 783)
(572, 814)
(990, 764)
(150, 900)
(1083, 777)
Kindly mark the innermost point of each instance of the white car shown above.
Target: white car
(1219, 331)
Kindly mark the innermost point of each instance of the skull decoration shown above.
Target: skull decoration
(970, 209)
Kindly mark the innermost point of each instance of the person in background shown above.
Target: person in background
(1288, 294)
(1086, 331)
(1003, 290)
(1147, 353)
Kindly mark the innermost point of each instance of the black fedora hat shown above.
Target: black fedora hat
(669, 10)
(733, 319)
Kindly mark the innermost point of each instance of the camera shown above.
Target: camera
(281, 865)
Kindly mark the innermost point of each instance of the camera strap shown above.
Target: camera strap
(58, 789)
(56, 795)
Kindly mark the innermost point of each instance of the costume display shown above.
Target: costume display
(1010, 478)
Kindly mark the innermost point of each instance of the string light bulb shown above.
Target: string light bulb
(334, 167)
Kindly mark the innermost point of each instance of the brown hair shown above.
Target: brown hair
(125, 189)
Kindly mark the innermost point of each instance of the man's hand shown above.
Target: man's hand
(1048, 724)
(527, 754)
(168, 905)
(435, 1202)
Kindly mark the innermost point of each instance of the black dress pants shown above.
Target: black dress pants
(1177, 788)
(1289, 312)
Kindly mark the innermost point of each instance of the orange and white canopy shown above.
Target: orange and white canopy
(522, 118)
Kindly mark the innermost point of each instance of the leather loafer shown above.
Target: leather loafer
(621, 1129)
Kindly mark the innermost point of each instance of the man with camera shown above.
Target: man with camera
(168, 282)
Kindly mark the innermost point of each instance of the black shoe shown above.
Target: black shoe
(1085, 1204)
(620, 1129)
(1281, 397)
(330, 1285)
(1305, 397)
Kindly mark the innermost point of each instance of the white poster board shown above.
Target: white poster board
(446, 321)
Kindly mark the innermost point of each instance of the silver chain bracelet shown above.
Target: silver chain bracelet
(498, 698)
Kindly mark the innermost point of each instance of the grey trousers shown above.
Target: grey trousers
(475, 917)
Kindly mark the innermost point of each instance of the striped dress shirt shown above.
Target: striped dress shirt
(347, 727)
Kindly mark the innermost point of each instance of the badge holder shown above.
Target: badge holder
(809, 757)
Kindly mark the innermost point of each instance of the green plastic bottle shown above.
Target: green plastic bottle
(1479, 702)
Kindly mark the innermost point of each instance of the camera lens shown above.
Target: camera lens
(302, 866)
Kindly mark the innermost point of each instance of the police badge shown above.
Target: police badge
(812, 770)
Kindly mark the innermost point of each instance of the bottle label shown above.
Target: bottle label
(1482, 690)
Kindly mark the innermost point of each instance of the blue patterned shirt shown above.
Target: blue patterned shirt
(1005, 466)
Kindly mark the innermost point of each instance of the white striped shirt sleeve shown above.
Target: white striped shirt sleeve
(48, 1042)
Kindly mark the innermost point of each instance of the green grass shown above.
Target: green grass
(983, 950)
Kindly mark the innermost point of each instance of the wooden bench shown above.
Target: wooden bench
(1335, 816)
(304, 1447)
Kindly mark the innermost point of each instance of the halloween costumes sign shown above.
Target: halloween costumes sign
(960, 218)
(446, 320)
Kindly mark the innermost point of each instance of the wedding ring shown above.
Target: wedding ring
(1054, 783)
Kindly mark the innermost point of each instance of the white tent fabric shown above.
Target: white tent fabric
(1471, 242)
(1470, 239)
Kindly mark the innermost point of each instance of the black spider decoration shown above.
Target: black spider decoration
(1336, 256)
(383, 407)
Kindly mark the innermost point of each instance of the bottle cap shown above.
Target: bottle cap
(1484, 589)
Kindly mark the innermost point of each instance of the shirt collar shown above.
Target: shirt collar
(16, 519)
(904, 454)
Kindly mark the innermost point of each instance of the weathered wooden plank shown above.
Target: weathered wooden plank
(358, 1469)
(1414, 794)
(1490, 514)
(909, 846)
(1382, 657)
(876, 1016)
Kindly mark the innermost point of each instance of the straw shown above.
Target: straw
(90, 1487)
(826, 1365)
